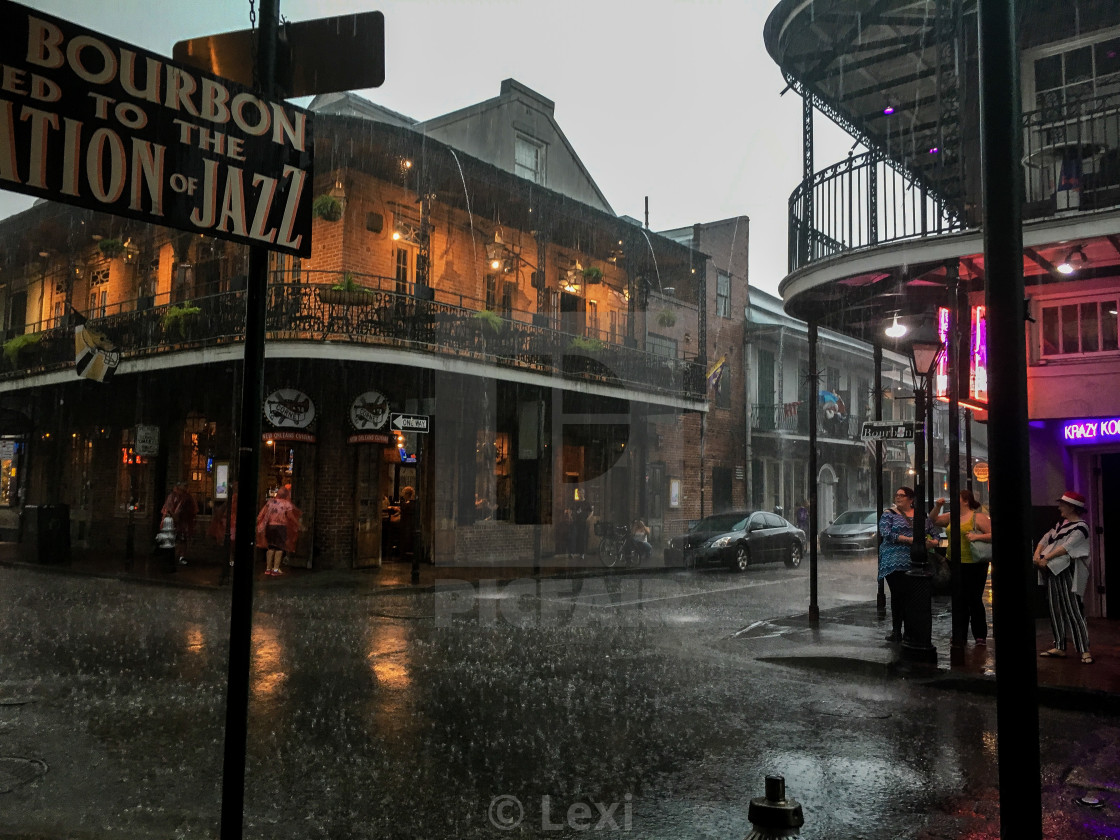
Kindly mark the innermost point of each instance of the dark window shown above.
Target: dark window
(402, 271)
(723, 294)
(491, 292)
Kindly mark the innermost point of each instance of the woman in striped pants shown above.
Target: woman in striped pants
(1062, 558)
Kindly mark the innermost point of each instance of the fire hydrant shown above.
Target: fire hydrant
(773, 816)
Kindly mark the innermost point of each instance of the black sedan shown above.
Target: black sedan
(682, 548)
(852, 532)
(756, 537)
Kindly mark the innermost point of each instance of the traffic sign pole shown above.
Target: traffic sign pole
(248, 467)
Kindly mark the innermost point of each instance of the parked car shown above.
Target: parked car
(759, 537)
(852, 532)
(681, 548)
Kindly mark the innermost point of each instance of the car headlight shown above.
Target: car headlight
(721, 542)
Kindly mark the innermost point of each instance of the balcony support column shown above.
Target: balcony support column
(880, 594)
(805, 243)
(814, 398)
(1009, 448)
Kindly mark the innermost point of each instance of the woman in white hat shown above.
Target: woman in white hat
(1062, 558)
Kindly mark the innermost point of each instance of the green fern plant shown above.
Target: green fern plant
(585, 345)
(349, 284)
(488, 320)
(326, 207)
(111, 247)
(180, 316)
(15, 345)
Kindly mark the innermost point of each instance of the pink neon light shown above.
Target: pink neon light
(978, 355)
(941, 379)
(978, 361)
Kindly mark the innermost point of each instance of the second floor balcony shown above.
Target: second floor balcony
(379, 313)
(1071, 164)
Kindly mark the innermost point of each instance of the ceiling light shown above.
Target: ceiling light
(1074, 261)
(896, 330)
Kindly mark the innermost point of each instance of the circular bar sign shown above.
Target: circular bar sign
(980, 470)
(287, 408)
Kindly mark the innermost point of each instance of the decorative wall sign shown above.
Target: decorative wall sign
(369, 411)
(287, 408)
(147, 440)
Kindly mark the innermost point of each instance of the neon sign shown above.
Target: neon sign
(1091, 431)
(977, 355)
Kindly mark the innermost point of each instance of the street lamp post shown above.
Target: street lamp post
(917, 641)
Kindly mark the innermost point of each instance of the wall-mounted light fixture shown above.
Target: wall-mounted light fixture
(896, 330)
(1075, 261)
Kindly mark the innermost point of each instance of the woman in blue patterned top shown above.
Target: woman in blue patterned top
(896, 527)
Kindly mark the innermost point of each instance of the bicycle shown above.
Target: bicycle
(615, 546)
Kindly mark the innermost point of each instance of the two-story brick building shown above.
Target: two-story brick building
(502, 306)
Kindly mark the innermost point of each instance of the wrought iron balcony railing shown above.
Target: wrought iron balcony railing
(1071, 161)
(860, 202)
(314, 313)
(793, 418)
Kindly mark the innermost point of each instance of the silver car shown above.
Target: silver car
(852, 532)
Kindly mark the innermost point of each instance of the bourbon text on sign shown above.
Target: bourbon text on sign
(89, 120)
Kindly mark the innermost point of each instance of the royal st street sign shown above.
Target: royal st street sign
(88, 120)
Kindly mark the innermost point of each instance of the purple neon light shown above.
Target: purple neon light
(1091, 430)
(888, 110)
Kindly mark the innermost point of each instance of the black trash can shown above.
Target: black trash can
(46, 534)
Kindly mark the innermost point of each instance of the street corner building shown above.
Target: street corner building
(888, 242)
(476, 346)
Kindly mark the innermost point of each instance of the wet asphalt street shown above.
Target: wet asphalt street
(647, 706)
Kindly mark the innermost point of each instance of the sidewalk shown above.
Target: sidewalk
(851, 637)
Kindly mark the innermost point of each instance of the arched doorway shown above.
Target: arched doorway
(826, 495)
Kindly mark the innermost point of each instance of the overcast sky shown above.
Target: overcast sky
(677, 101)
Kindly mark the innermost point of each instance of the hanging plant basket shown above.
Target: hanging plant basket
(326, 207)
(592, 275)
(666, 318)
(111, 248)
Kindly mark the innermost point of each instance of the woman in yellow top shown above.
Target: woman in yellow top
(968, 600)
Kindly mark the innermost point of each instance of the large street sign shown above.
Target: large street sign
(324, 55)
(409, 422)
(88, 120)
(888, 430)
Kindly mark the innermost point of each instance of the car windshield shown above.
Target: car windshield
(721, 522)
(856, 517)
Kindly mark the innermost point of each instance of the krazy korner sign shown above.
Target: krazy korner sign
(89, 120)
(1096, 430)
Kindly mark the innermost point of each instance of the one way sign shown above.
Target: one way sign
(409, 422)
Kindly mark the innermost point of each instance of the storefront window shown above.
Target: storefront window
(133, 477)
